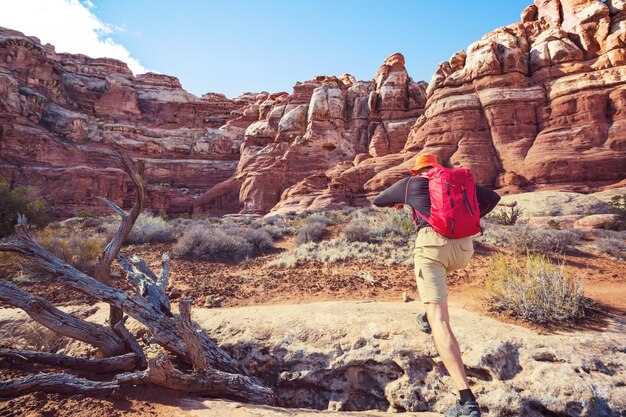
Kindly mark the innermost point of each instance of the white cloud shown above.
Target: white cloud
(69, 25)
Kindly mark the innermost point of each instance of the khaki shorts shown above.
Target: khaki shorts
(435, 256)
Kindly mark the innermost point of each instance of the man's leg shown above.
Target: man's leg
(446, 343)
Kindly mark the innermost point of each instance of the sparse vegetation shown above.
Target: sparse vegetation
(150, 229)
(506, 216)
(612, 247)
(523, 238)
(14, 201)
(389, 252)
(536, 290)
(79, 249)
(618, 207)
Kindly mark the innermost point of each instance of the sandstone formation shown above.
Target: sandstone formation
(62, 116)
(535, 105)
(322, 127)
(350, 356)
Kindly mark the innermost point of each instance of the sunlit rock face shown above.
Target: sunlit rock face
(538, 104)
(63, 116)
(323, 126)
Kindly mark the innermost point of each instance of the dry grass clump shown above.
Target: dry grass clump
(150, 229)
(612, 247)
(78, 248)
(525, 239)
(535, 290)
(390, 252)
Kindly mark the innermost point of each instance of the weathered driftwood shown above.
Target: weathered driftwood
(166, 329)
(140, 356)
(51, 382)
(102, 270)
(122, 363)
(211, 383)
(215, 373)
(40, 310)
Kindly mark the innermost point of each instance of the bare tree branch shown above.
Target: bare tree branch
(51, 382)
(44, 313)
(140, 356)
(123, 363)
(195, 351)
(213, 383)
(102, 269)
(113, 207)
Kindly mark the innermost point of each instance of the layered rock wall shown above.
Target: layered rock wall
(538, 104)
(62, 117)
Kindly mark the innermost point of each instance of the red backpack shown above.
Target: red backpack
(454, 211)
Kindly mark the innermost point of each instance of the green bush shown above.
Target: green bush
(20, 200)
(618, 207)
(536, 291)
(506, 216)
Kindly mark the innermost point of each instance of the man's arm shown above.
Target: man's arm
(393, 195)
(487, 200)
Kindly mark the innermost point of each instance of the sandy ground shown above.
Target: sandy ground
(253, 283)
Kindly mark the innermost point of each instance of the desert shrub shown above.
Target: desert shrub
(150, 229)
(536, 291)
(389, 252)
(86, 214)
(359, 230)
(610, 234)
(618, 208)
(522, 238)
(506, 216)
(92, 222)
(212, 244)
(312, 231)
(81, 250)
(394, 222)
(612, 247)
(260, 240)
(276, 232)
(20, 200)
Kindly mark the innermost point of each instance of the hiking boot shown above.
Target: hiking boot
(422, 322)
(469, 409)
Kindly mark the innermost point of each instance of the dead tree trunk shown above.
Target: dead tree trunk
(102, 270)
(214, 374)
(40, 310)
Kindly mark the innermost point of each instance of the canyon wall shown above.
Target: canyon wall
(538, 104)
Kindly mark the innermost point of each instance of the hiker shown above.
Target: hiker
(435, 256)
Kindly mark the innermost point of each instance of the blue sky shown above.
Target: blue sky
(248, 45)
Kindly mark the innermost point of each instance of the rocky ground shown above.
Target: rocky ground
(325, 339)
